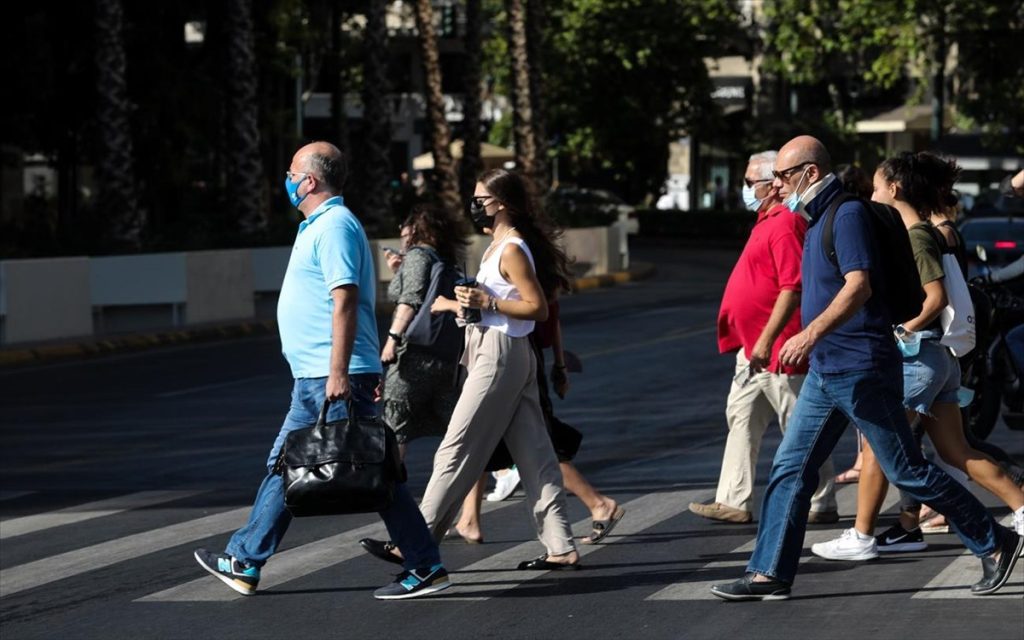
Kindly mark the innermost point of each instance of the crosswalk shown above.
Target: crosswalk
(478, 580)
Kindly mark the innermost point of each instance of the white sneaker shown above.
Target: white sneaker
(848, 546)
(504, 486)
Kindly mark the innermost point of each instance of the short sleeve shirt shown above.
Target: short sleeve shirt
(769, 264)
(928, 257)
(864, 342)
(331, 250)
(412, 280)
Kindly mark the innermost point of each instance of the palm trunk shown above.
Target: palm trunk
(445, 185)
(338, 116)
(471, 163)
(115, 160)
(536, 23)
(526, 145)
(376, 205)
(245, 165)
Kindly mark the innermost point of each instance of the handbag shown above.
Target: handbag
(348, 466)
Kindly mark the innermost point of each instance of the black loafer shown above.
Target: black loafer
(542, 564)
(380, 549)
(746, 589)
(996, 573)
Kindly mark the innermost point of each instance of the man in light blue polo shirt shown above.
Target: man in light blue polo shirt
(328, 329)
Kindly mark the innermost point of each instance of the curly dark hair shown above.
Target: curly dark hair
(854, 180)
(431, 225)
(514, 191)
(926, 180)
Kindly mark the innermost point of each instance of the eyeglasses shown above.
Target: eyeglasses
(290, 175)
(786, 174)
(751, 183)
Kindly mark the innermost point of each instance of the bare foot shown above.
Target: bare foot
(470, 532)
(606, 509)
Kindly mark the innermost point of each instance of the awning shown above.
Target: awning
(910, 118)
(491, 154)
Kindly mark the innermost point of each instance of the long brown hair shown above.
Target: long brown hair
(541, 235)
(434, 226)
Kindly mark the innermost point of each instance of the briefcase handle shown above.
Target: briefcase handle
(350, 408)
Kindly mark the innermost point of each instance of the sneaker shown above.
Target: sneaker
(896, 539)
(746, 589)
(848, 546)
(721, 512)
(413, 584)
(995, 573)
(504, 487)
(230, 570)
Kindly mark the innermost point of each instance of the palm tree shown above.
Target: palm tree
(245, 165)
(536, 24)
(376, 203)
(523, 132)
(445, 186)
(115, 158)
(471, 163)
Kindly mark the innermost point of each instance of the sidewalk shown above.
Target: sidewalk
(88, 347)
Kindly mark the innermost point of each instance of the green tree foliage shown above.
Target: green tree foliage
(626, 77)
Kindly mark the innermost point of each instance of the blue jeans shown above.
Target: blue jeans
(258, 539)
(873, 401)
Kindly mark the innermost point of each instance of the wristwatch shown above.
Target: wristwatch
(397, 337)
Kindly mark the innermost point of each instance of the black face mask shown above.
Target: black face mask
(478, 214)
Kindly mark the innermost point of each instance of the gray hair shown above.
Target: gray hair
(765, 162)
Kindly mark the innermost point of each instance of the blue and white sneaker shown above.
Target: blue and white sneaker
(416, 583)
(231, 571)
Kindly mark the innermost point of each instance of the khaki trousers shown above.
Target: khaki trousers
(749, 410)
(499, 401)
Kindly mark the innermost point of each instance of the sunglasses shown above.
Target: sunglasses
(751, 183)
(481, 200)
(786, 174)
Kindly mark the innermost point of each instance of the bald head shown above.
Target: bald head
(804, 149)
(325, 161)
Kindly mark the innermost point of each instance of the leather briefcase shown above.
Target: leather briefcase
(348, 466)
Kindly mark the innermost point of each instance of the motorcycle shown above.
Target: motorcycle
(989, 371)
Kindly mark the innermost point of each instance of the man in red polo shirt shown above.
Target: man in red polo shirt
(760, 311)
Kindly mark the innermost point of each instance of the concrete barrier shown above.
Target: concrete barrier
(46, 299)
(56, 298)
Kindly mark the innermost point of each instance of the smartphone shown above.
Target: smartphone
(391, 250)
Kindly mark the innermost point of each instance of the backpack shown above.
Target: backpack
(903, 294)
(958, 318)
(436, 334)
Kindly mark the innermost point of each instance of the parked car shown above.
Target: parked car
(575, 206)
(1002, 237)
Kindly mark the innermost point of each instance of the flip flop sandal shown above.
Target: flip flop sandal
(542, 564)
(601, 528)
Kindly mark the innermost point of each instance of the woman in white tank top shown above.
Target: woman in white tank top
(500, 400)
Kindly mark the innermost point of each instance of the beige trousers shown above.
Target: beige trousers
(749, 410)
(499, 401)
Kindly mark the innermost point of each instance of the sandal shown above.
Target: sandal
(849, 476)
(601, 528)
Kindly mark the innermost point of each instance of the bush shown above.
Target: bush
(730, 227)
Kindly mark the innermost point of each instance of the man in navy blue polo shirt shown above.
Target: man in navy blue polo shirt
(855, 376)
(328, 327)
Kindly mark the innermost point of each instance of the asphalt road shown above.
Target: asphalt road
(113, 470)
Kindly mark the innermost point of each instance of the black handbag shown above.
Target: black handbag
(348, 466)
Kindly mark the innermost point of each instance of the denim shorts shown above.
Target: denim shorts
(933, 375)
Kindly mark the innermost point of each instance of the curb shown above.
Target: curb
(142, 341)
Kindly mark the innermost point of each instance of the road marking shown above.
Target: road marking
(39, 522)
(217, 385)
(497, 573)
(288, 565)
(698, 589)
(954, 582)
(11, 495)
(65, 565)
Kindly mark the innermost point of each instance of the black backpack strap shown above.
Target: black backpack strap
(828, 240)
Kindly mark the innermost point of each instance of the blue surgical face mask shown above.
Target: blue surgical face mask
(292, 188)
(750, 201)
(793, 201)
